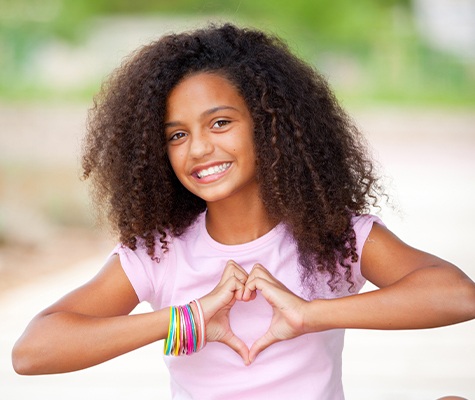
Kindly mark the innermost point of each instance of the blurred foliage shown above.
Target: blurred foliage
(369, 49)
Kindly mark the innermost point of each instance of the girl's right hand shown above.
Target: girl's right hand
(217, 304)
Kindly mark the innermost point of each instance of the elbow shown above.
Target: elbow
(31, 354)
(24, 361)
(466, 294)
(21, 362)
(456, 296)
(471, 302)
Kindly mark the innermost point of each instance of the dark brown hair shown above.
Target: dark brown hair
(312, 165)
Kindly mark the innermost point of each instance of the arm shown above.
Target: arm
(88, 326)
(91, 324)
(417, 290)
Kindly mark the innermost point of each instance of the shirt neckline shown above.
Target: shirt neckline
(260, 241)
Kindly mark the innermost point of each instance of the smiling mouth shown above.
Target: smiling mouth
(213, 170)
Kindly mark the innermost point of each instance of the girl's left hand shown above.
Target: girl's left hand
(288, 309)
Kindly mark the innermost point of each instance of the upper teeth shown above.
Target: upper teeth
(213, 170)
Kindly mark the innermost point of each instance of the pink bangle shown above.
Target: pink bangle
(202, 324)
(189, 329)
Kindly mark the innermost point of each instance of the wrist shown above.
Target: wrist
(200, 322)
(317, 316)
(186, 330)
(207, 307)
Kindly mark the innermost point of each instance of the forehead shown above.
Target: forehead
(203, 90)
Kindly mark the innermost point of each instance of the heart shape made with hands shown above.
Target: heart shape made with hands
(250, 324)
(250, 320)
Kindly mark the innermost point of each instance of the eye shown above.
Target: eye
(176, 136)
(221, 123)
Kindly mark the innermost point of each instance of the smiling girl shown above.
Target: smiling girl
(240, 193)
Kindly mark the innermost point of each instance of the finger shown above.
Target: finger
(252, 285)
(222, 296)
(239, 288)
(238, 346)
(261, 344)
(234, 265)
(232, 289)
(259, 271)
(234, 269)
(252, 296)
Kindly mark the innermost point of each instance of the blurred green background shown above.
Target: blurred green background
(392, 51)
(403, 55)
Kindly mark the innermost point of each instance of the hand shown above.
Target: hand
(288, 309)
(217, 304)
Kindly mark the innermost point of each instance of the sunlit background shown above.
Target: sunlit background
(405, 70)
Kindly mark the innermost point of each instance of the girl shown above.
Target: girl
(239, 190)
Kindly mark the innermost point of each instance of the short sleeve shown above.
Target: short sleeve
(144, 273)
(362, 225)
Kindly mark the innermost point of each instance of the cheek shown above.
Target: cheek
(176, 160)
(179, 173)
(178, 163)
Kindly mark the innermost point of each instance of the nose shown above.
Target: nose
(201, 145)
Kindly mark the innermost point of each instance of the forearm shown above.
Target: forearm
(426, 298)
(64, 341)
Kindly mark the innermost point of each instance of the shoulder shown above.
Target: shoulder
(364, 221)
(362, 225)
(386, 258)
(148, 273)
(140, 255)
(144, 271)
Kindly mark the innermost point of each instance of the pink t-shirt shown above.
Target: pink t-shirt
(307, 367)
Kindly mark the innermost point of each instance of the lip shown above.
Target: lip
(209, 178)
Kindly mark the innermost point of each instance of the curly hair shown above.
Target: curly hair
(312, 164)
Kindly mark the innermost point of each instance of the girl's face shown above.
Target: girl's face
(210, 140)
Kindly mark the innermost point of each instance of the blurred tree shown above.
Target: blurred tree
(368, 45)
(335, 22)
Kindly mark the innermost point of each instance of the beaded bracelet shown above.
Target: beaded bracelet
(184, 337)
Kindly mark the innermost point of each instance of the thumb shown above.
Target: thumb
(238, 346)
(261, 344)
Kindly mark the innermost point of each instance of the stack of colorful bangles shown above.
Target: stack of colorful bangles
(186, 334)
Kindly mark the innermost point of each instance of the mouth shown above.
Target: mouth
(216, 169)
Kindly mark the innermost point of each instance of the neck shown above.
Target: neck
(237, 223)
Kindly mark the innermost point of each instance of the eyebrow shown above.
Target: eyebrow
(203, 114)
